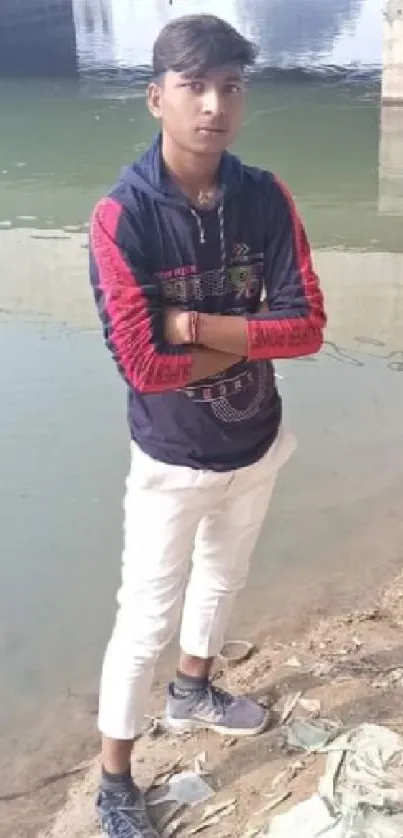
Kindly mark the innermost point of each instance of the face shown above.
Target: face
(201, 115)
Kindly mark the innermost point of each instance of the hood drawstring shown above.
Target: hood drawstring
(223, 250)
(202, 235)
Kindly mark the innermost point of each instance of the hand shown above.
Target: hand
(177, 326)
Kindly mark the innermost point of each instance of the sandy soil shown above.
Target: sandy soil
(350, 664)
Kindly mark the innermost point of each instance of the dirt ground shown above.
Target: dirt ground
(351, 665)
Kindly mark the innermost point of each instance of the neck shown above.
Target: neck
(193, 173)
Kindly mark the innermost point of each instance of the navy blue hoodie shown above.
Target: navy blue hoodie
(149, 249)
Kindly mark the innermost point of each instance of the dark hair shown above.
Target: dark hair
(195, 44)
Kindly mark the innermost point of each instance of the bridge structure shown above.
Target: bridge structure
(37, 38)
(47, 37)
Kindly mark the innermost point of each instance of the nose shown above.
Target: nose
(212, 103)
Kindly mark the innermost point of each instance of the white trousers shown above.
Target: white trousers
(177, 518)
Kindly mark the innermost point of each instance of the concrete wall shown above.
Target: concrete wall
(392, 83)
(37, 37)
(391, 160)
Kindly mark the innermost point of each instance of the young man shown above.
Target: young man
(183, 249)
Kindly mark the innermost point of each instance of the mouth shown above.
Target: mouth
(209, 131)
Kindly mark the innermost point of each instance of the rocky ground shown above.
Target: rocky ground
(348, 669)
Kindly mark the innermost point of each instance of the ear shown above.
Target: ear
(154, 92)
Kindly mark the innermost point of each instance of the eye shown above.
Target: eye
(196, 87)
(233, 89)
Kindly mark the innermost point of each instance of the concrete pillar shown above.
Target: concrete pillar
(392, 78)
(37, 38)
(94, 33)
(391, 160)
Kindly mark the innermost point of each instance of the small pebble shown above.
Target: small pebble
(294, 663)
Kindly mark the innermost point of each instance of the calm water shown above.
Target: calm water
(63, 442)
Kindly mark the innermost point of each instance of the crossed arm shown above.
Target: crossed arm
(152, 345)
(292, 321)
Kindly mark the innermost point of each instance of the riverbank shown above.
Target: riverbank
(333, 536)
(349, 669)
(51, 285)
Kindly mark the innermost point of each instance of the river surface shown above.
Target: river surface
(335, 530)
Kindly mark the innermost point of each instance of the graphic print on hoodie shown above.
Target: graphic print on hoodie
(149, 248)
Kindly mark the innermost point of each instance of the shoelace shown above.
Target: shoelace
(220, 699)
(116, 824)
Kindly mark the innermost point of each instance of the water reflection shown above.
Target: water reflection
(54, 36)
(132, 26)
(94, 32)
(97, 17)
(300, 33)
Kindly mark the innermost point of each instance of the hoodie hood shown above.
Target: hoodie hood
(150, 175)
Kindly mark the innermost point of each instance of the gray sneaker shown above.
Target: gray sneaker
(214, 709)
(123, 814)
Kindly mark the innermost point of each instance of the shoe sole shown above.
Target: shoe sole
(188, 726)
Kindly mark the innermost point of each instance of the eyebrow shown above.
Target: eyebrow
(233, 77)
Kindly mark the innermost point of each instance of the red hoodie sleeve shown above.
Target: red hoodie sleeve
(294, 324)
(129, 304)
